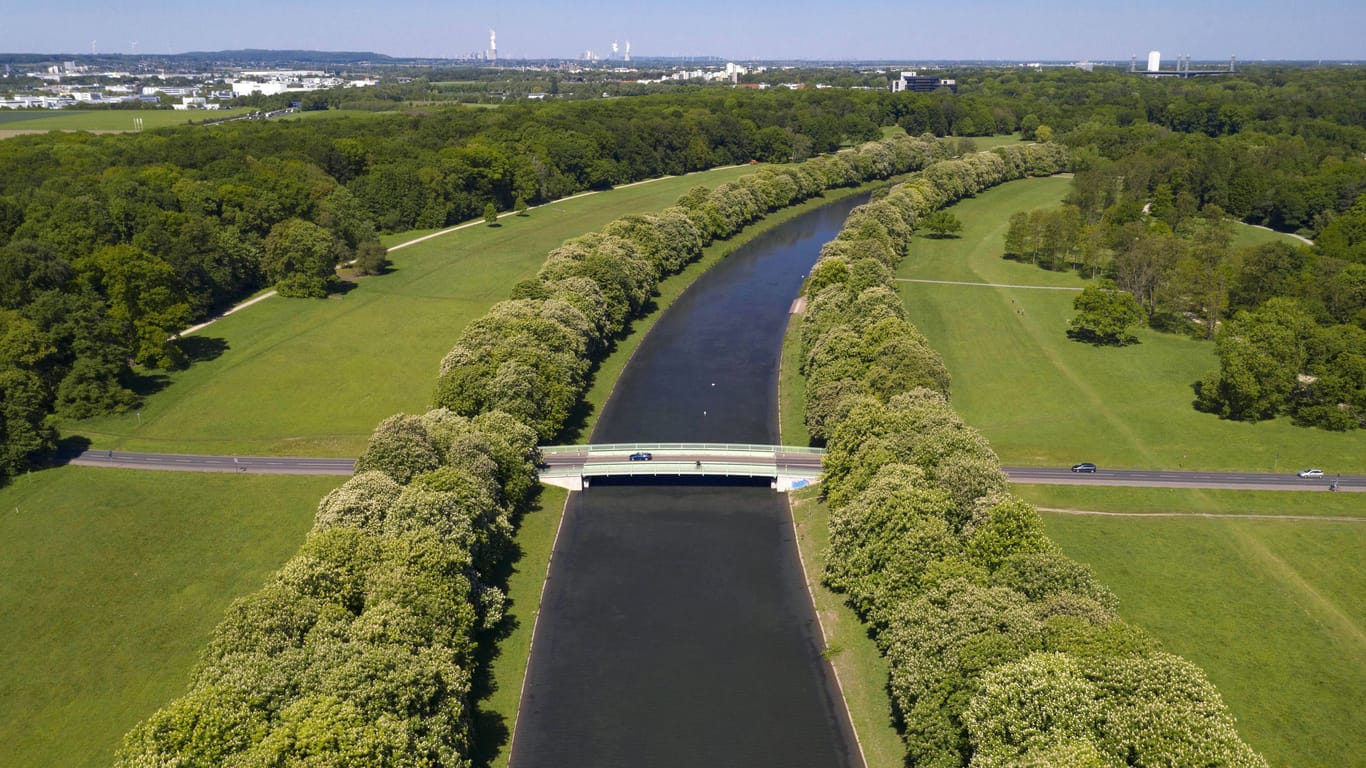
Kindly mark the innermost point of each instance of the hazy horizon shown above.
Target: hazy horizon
(802, 29)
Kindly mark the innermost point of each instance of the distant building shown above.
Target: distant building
(917, 83)
(1154, 61)
(151, 90)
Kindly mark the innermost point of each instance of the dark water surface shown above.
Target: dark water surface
(676, 629)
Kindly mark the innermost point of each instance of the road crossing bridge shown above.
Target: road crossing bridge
(575, 466)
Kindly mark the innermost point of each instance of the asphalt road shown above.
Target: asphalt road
(1247, 481)
(279, 465)
(268, 465)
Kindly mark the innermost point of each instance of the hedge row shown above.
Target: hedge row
(360, 650)
(1003, 651)
(530, 356)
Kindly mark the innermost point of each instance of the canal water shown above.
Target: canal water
(676, 630)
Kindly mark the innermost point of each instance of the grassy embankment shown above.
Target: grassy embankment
(110, 582)
(1269, 608)
(313, 377)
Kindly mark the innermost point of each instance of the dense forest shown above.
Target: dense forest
(109, 245)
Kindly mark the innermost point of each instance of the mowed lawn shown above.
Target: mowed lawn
(109, 119)
(313, 377)
(1272, 610)
(110, 583)
(1131, 500)
(1043, 399)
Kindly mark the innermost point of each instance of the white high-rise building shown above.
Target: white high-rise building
(1154, 61)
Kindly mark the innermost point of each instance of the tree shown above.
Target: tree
(490, 215)
(1261, 355)
(372, 258)
(146, 299)
(942, 223)
(24, 431)
(520, 206)
(299, 259)
(1104, 315)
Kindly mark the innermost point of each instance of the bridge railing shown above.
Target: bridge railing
(729, 448)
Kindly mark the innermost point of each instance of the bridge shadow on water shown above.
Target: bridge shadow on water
(678, 481)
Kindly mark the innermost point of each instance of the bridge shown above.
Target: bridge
(574, 466)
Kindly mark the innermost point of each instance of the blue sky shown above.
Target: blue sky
(873, 29)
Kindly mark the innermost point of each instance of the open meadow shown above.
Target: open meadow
(1270, 609)
(313, 377)
(1043, 399)
(110, 582)
(110, 120)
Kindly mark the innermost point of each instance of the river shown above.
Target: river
(676, 629)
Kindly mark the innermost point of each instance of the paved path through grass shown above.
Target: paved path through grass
(1211, 515)
(991, 285)
(424, 238)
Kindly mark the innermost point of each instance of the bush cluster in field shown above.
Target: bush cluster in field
(1002, 650)
(360, 650)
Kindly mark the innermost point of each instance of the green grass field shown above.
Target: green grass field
(1193, 501)
(314, 377)
(1270, 609)
(1043, 399)
(107, 119)
(110, 582)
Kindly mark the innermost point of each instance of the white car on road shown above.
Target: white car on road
(1310, 473)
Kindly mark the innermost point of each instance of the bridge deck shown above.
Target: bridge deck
(788, 466)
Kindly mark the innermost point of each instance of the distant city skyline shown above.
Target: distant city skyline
(763, 29)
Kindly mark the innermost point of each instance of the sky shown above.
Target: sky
(756, 29)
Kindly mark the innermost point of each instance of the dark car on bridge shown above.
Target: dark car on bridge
(642, 456)
(1085, 466)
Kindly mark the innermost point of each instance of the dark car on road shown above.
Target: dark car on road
(1085, 466)
(642, 456)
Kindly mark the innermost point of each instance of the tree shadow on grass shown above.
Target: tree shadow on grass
(490, 731)
(1086, 336)
(200, 349)
(68, 448)
(145, 383)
